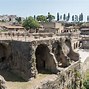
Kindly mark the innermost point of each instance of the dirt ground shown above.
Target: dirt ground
(15, 82)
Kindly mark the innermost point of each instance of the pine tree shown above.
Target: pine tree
(76, 18)
(88, 18)
(34, 17)
(72, 17)
(68, 17)
(64, 17)
(60, 17)
(57, 16)
(81, 17)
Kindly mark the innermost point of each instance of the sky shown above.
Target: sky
(27, 8)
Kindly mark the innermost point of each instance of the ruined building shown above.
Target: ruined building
(27, 57)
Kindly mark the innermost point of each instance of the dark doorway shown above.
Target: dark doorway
(41, 54)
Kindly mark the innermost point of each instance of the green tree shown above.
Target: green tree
(60, 17)
(88, 18)
(30, 23)
(50, 17)
(57, 16)
(18, 19)
(34, 17)
(86, 84)
(64, 17)
(76, 18)
(68, 17)
(72, 17)
(81, 17)
(41, 18)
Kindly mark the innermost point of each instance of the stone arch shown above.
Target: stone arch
(45, 60)
(40, 53)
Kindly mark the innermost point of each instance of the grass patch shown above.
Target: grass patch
(86, 80)
(3, 30)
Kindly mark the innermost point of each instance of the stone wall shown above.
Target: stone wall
(17, 57)
(21, 61)
(53, 27)
(85, 44)
(2, 83)
(69, 78)
(21, 57)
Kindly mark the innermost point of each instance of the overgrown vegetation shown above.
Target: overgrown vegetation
(86, 81)
(30, 23)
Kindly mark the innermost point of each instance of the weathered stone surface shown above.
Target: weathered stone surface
(2, 83)
(45, 59)
(73, 55)
(60, 49)
(66, 79)
(23, 58)
(4, 54)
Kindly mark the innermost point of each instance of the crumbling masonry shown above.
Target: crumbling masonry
(27, 59)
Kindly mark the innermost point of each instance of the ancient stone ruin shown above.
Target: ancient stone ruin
(2, 83)
(27, 59)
